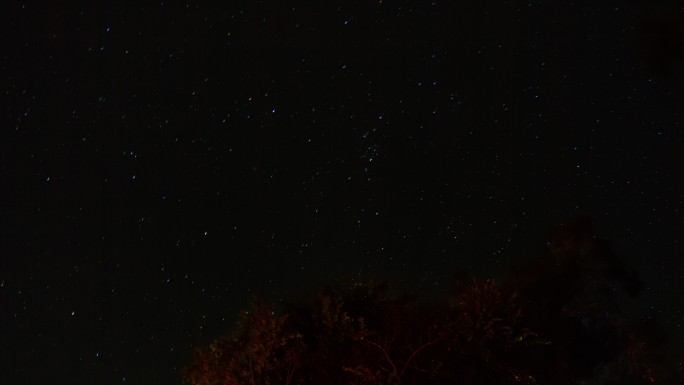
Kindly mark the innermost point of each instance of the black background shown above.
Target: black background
(160, 164)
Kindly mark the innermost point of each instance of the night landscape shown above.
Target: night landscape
(369, 192)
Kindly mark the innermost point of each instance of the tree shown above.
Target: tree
(363, 336)
(261, 351)
(554, 322)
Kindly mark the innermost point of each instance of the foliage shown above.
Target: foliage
(555, 321)
(261, 351)
(362, 336)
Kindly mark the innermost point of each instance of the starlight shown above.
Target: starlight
(409, 141)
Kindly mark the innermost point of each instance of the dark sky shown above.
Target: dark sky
(160, 164)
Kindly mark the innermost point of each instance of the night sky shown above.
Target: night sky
(160, 164)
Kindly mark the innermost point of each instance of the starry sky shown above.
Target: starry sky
(161, 163)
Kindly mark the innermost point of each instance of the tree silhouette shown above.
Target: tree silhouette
(363, 336)
(261, 351)
(553, 322)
